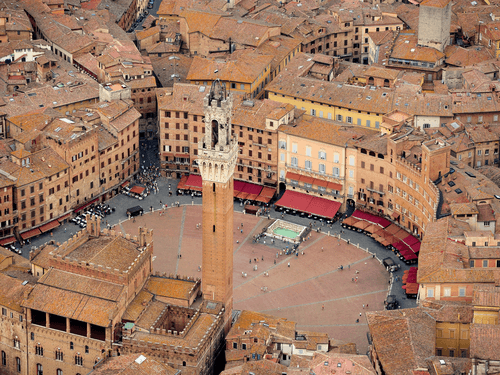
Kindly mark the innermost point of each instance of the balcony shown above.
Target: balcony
(320, 175)
(375, 191)
(318, 191)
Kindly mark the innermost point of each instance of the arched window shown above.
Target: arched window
(4, 359)
(78, 360)
(59, 355)
(184, 363)
(371, 81)
(71, 345)
(38, 349)
(39, 369)
(59, 371)
(18, 364)
(86, 349)
(386, 82)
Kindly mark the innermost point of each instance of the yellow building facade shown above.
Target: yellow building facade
(452, 339)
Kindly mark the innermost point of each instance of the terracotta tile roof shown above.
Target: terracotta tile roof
(82, 88)
(82, 284)
(137, 306)
(241, 66)
(279, 47)
(48, 162)
(460, 142)
(72, 305)
(486, 213)
(119, 114)
(459, 56)
(484, 341)
(377, 144)
(435, 3)
(140, 35)
(105, 139)
(478, 134)
(486, 295)
(381, 37)
(293, 83)
(262, 367)
(410, 333)
(12, 292)
(251, 320)
(328, 131)
(199, 21)
(192, 338)
(258, 114)
(173, 288)
(184, 97)
(162, 47)
(381, 72)
(141, 83)
(150, 315)
(133, 364)
(463, 208)
(406, 47)
(440, 258)
(102, 251)
(328, 363)
(474, 103)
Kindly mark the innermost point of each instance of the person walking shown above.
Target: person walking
(322, 306)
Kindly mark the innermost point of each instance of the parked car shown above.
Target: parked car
(391, 303)
(390, 265)
(135, 211)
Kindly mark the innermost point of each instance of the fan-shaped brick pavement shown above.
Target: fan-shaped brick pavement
(298, 292)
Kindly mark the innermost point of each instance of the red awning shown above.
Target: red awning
(319, 182)
(242, 195)
(86, 205)
(334, 186)
(238, 185)
(137, 189)
(293, 176)
(374, 219)
(294, 200)
(395, 215)
(49, 226)
(415, 247)
(30, 233)
(125, 183)
(62, 218)
(7, 240)
(181, 185)
(307, 180)
(263, 199)
(252, 188)
(410, 240)
(306, 203)
(194, 181)
(268, 192)
(323, 207)
(252, 197)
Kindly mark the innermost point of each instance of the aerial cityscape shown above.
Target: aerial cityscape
(247, 187)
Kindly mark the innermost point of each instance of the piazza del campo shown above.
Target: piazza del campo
(249, 187)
